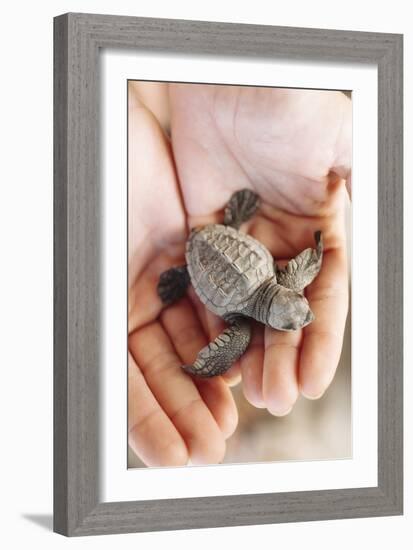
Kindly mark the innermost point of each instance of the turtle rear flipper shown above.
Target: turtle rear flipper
(241, 207)
(173, 284)
(303, 269)
(218, 356)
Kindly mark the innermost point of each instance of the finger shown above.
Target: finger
(280, 386)
(323, 338)
(217, 395)
(177, 394)
(154, 95)
(152, 435)
(252, 368)
(186, 333)
(184, 330)
(233, 375)
(144, 302)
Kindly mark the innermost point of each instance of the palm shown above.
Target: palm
(291, 147)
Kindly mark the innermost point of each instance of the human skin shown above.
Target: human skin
(172, 418)
(294, 148)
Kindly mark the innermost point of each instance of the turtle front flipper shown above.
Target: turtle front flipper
(303, 269)
(173, 284)
(218, 356)
(241, 207)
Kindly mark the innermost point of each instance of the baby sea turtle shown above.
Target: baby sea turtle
(235, 276)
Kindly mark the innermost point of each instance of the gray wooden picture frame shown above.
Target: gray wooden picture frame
(78, 39)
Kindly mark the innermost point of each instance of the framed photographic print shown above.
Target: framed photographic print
(228, 274)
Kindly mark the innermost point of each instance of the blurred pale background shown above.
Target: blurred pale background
(319, 429)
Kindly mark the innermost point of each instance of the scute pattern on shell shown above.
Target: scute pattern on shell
(226, 267)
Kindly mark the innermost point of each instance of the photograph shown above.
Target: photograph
(228, 274)
(239, 274)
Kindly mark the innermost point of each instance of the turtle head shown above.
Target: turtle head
(285, 309)
(289, 310)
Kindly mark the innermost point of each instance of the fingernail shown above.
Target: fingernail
(257, 403)
(254, 396)
(233, 380)
(279, 412)
(311, 395)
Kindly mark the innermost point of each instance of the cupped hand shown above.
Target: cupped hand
(293, 147)
(172, 418)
